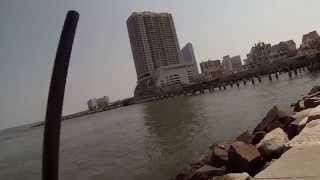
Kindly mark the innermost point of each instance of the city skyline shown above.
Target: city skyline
(217, 29)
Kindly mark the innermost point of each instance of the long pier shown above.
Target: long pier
(292, 67)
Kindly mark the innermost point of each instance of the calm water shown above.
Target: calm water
(148, 141)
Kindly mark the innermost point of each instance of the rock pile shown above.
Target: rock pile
(249, 153)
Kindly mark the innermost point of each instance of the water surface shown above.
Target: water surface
(149, 141)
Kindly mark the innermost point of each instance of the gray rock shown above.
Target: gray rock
(298, 106)
(273, 144)
(301, 119)
(244, 158)
(295, 127)
(310, 135)
(257, 136)
(311, 102)
(234, 176)
(314, 114)
(302, 114)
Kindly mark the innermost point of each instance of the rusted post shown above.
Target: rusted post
(252, 81)
(51, 140)
(289, 74)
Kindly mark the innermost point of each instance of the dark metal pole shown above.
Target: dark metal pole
(51, 141)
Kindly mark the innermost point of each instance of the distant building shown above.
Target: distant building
(231, 64)
(92, 104)
(236, 63)
(100, 103)
(245, 67)
(292, 48)
(310, 39)
(201, 77)
(259, 54)
(226, 64)
(212, 69)
(310, 43)
(187, 53)
(283, 50)
(154, 44)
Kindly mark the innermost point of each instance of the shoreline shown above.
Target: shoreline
(292, 66)
(147, 100)
(252, 154)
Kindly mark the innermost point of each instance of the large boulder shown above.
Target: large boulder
(298, 106)
(244, 158)
(245, 137)
(311, 102)
(302, 114)
(273, 144)
(275, 118)
(206, 172)
(234, 176)
(257, 137)
(301, 119)
(310, 135)
(219, 155)
(295, 127)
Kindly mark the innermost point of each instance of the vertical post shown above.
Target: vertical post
(51, 141)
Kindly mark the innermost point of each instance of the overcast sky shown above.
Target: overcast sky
(102, 62)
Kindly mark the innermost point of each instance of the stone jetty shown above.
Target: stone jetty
(282, 146)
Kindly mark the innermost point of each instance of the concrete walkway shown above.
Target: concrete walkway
(302, 161)
(297, 163)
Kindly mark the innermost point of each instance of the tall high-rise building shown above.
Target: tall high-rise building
(154, 44)
(153, 41)
(188, 57)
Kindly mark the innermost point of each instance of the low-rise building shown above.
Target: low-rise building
(175, 76)
(226, 64)
(212, 69)
(310, 40)
(231, 64)
(201, 77)
(236, 63)
(310, 43)
(259, 54)
(282, 51)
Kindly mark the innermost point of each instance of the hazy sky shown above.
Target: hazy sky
(102, 62)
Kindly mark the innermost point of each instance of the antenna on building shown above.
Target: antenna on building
(51, 140)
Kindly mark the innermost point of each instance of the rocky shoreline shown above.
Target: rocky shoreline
(252, 152)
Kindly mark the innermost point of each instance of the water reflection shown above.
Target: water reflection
(171, 126)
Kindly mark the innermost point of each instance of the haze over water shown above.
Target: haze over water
(149, 141)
